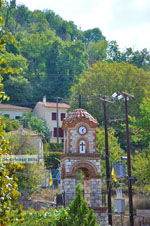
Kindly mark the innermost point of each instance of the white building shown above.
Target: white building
(13, 111)
(48, 112)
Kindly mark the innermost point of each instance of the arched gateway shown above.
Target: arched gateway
(80, 155)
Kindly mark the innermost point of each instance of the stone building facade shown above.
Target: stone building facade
(80, 155)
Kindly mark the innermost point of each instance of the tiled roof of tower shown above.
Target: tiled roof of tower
(79, 114)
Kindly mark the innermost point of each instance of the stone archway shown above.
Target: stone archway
(88, 169)
(90, 174)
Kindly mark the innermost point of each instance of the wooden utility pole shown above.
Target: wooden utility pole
(126, 98)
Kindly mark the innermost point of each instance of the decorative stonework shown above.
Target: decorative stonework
(80, 155)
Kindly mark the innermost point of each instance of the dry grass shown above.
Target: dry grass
(45, 195)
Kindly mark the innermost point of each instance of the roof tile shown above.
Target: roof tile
(14, 107)
(53, 105)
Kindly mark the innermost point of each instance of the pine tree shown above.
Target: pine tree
(79, 213)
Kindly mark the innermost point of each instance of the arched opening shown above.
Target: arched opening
(89, 171)
(83, 173)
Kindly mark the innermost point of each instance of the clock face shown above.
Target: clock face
(82, 130)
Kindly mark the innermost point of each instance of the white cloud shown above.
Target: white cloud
(130, 37)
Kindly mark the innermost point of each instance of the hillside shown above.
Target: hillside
(51, 53)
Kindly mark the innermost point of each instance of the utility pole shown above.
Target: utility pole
(103, 99)
(126, 98)
(57, 118)
(108, 172)
(57, 121)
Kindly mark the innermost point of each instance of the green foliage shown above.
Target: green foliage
(107, 78)
(31, 174)
(93, 35)
(34, 123)
(51, 53)
(52, 217)
(77, 213)
(10, 124)
(64, 63)
(52, 154)
(97, 51)
(8, 185)
(20, 143)
(140, 126)
(30, 177)
(141, 169)
(115, 151)
(141, 59)
(19, 89)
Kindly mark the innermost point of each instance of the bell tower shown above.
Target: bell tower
(80, 155)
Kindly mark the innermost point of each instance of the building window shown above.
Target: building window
(53, 115)
(60, 132)
(63, 115)
(17, 117)
(7, 115)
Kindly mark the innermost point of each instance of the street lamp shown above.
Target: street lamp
(126, 97)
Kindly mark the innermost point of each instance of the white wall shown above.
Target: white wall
(12, 113)
(45, 113)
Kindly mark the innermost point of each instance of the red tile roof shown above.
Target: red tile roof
(14, 107)
(79, 114)
(53, 105)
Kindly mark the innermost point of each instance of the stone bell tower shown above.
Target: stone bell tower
(80, 155)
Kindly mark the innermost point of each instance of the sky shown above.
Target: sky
(126, 21)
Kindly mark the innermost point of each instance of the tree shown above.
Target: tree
(78, 212)
(97, 51)
(64, 63)
(106, 78)
(8, 180)
(93, 35)
(22, 16)
(19, 89)
(141, 169)
(113, 52)
(115, 151)
(8, 185)
(140, 59)
(30, 175)
(140, 127)
(35, 124)
(10, 124)
(52, 155)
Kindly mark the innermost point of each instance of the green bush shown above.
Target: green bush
(76, 214)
